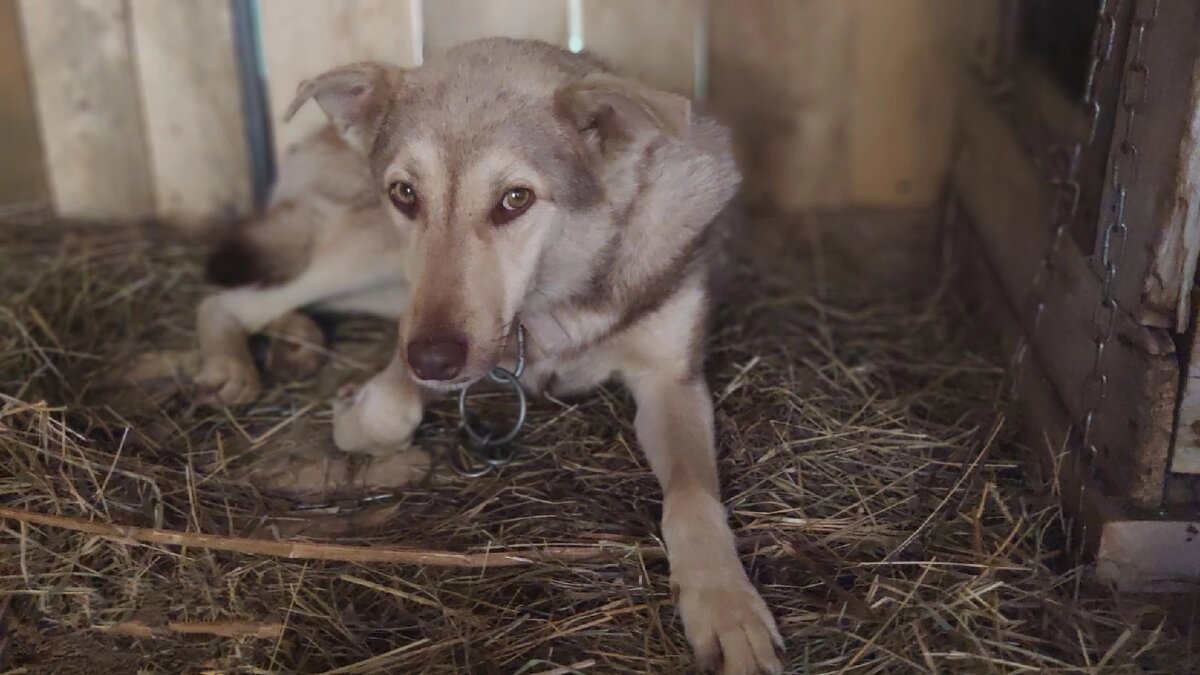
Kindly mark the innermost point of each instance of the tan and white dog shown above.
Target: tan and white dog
(512, 182)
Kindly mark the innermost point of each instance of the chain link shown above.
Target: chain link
(1064, 205)
(1124, 170)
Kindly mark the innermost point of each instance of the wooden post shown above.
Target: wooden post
(81, 60)
(192, 106)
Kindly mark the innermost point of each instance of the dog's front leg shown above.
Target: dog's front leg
(723, 616)
(380, 416)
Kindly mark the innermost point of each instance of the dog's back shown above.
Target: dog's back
(321, 182)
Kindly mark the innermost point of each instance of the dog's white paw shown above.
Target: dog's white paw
(729, 626)
(228, 381)
(368, 420)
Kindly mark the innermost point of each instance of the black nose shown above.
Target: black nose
(439, 358)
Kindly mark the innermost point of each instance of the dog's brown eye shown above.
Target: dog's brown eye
(403, 197)
(514, 202)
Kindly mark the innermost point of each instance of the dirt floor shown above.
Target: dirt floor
(871, 477)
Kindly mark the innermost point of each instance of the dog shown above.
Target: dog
(505, 183)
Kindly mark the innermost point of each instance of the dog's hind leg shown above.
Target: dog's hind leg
(226, 320)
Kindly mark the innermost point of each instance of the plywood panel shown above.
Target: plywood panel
(660, 43)
(21, 177)
(451, 22)
(86, 95)
(905, 83)
(192, 106)
(778, 74)
(302, 38)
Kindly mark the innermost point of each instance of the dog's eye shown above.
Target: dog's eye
(403, 197)
(514, 202)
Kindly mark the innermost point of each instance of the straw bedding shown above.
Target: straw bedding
(873, 482)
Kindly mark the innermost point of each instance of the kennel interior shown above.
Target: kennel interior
(957, 206)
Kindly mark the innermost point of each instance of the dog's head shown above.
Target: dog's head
(505, 161)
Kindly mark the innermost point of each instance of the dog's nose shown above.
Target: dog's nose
(438, 358)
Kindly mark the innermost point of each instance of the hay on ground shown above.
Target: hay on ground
(872, 480)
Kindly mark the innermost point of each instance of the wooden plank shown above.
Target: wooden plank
(192, 107)
(1148, 556)
(659, 43)
(1163, 110)
(302, 38)
(21, 177)
(452, 22)
(1056, 462)
(86, 94)
(905, 83)
(779, 75)
(1136, 551)
(1133, 423)
(1173, 270)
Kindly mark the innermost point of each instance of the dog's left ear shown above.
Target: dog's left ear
(619, 107)
(355, 97)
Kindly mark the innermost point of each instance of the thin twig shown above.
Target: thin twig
(303, 550)
(234, 629)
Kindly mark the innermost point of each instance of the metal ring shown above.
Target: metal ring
(499, 375)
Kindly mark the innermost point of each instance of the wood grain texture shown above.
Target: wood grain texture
(303, 38)
(86, 93)
(904, 86)
(1134, 421)
(192, 107)
(21, 175)
(452, 22)
(779, 76)
(656, 42)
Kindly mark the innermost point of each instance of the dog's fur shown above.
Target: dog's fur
(607, 270)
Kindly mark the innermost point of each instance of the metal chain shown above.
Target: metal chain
(1065, 201)
(1134, 85)
(476, 440)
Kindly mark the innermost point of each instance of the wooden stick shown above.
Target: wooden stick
(233, 629)
(303, 550)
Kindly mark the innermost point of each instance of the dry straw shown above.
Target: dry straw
(872, 479)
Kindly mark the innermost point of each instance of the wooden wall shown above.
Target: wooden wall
(22, 180)
(843, 103)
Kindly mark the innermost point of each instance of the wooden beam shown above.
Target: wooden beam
(659, 43)
(1006, 198)
(192, 106)
(86, 93)
(452, 22)
(303, 38)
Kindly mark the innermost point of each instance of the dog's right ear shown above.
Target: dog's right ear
(355, 97)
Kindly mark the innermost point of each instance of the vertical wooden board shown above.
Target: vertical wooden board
(452, 22)
(905, 84)
(656, 42)
(778, 74)
(21, 177)
(303, 38)
(86, 95)
(192, 106)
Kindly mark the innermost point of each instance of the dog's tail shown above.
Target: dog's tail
(268, 250)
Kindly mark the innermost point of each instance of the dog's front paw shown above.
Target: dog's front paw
(227, 380)
(729, 626)
(367, 420)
